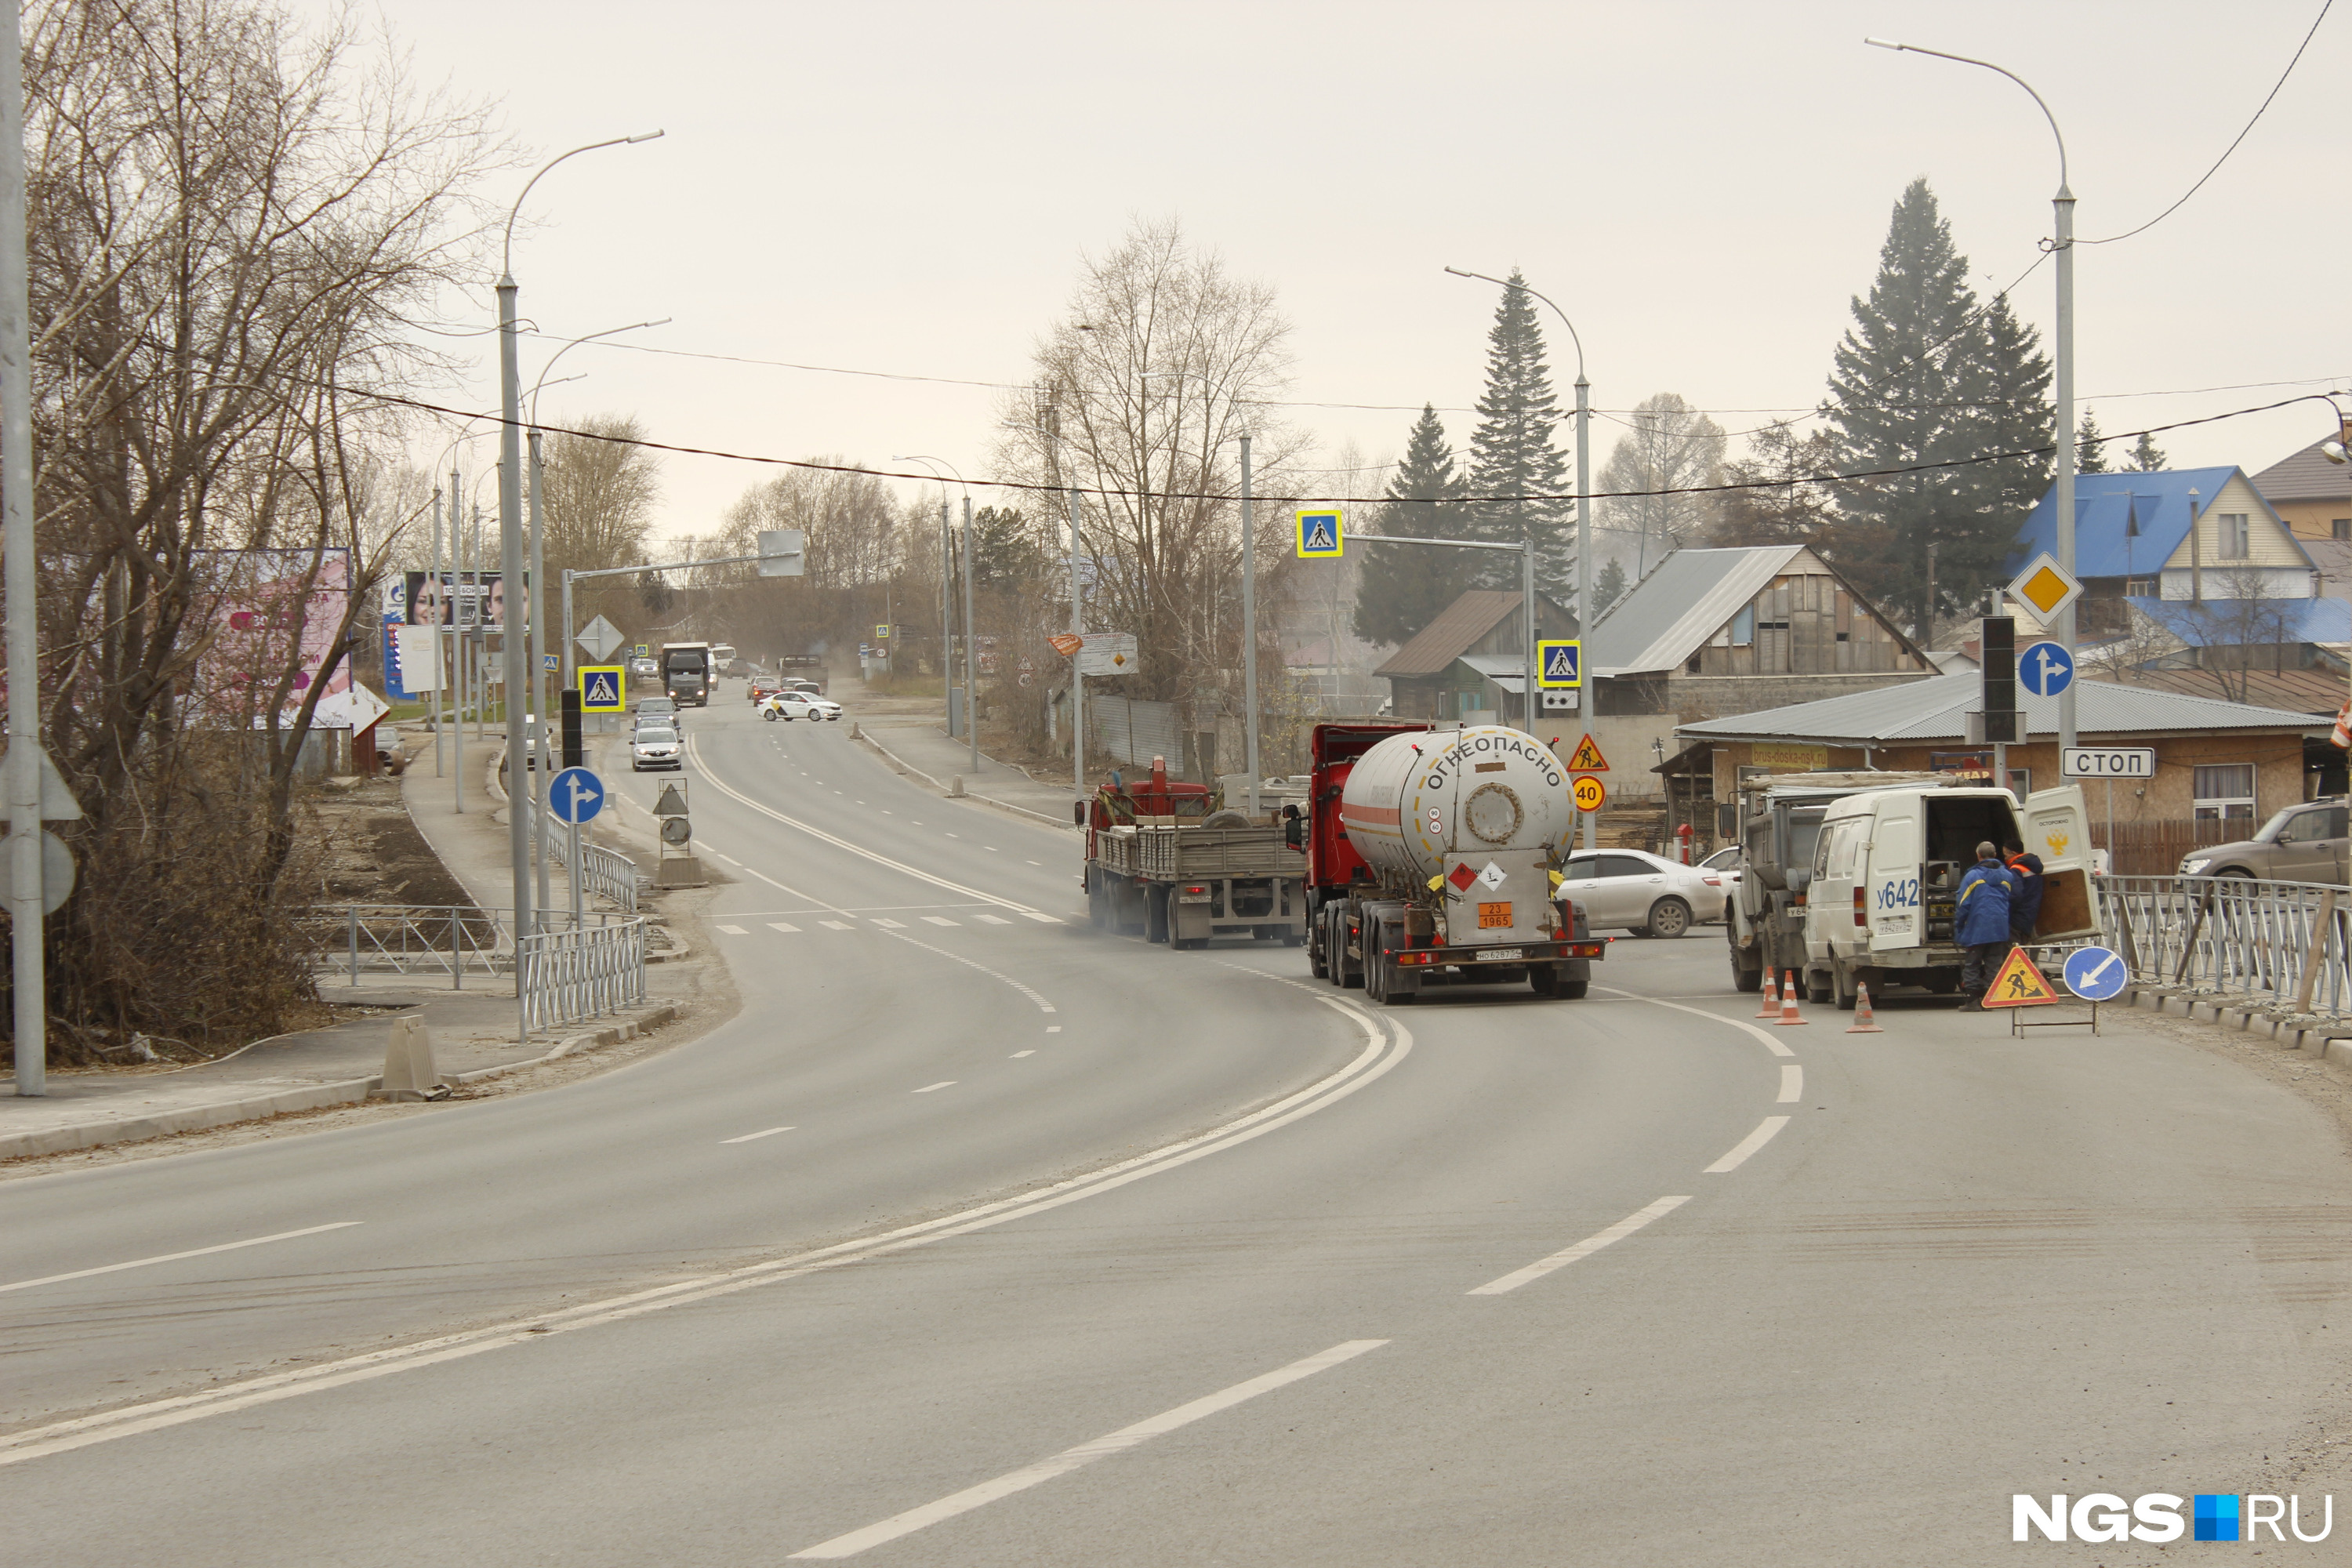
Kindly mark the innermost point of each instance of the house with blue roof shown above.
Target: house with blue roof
(2178, 535)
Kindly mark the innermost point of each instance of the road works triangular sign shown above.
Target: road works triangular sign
(1588, 758)
(2018, 983)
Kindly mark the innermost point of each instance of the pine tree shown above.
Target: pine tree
(1608, 587)
(2146, 455)
(1925, 378)
(1402, 588)
(2090, 446)
(1512, 455)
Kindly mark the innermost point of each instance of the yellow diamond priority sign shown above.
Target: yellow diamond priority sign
(2045, 588)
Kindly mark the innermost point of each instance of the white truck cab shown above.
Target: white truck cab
(1887, 867)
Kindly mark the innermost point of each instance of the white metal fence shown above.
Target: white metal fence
(567, 975)
(454, 940)
(609, 875)
(2287, 945)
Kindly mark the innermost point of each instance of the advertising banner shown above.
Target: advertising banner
(474, 601)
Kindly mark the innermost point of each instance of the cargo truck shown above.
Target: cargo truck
(687, 673)
(1435, 857)
(1166, 862)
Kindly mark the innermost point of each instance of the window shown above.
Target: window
(2237, 537)
(2313, 826)
(1625, 865)
(2141, 588)
(2225, 792)
(2340, 528)
(1743, 627)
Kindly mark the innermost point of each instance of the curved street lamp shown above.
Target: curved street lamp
(947, 565)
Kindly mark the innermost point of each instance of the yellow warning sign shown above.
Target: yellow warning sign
(1587, 758)
(1590, 793)
(2018, 983)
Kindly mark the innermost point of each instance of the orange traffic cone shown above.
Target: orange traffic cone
(1863, 1023)
(1771, 997)
(1789, 1003)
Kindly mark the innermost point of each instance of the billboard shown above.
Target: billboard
(273, 609)
(476, 601)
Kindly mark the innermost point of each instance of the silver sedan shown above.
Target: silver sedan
(1649, 895)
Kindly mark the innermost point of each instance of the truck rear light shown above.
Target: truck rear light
(1860, 917)
(1196, 890)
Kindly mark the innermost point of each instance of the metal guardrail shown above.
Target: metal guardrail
(567, 975)
(454, 940)
(608, 874)
(2286, 944)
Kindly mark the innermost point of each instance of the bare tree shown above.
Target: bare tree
(1671, 446)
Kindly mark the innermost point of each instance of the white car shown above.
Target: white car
(1726, 864)
(654, 747)
(790, 705)
(1649, 895)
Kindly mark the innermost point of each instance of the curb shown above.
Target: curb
(907, 767)
(350, 1091)
(2330, 1042)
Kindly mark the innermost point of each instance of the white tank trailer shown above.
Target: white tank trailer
(1463, 832)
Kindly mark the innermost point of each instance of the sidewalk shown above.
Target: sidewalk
(914, 737)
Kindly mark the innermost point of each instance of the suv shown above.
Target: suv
(2302, 844)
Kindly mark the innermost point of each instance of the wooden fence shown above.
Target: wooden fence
(2155, 849)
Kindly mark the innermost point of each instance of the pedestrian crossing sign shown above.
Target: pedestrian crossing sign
(603, 688)
(1319, 534)
(2018, 983)
(1559, 664)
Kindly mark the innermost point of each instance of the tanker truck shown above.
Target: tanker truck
(1434, 858)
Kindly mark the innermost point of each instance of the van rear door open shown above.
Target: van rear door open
(2058, 829)
(1891, 890)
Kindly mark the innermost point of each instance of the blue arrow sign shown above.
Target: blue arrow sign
(575, 795)
(2044, 669)
(2095, 973)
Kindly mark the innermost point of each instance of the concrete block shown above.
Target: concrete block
(408, 1069)
(679, 872)
(2340, 1052)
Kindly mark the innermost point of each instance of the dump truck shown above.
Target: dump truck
(687, 673)
(1434, 858)
(1172, 862)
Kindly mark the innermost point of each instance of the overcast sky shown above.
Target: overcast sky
(909, 188)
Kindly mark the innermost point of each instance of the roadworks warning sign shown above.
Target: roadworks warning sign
(1588, 758)
(2018, 983)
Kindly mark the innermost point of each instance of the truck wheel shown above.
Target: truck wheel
(1817, 990)
(1669, 917)
(1842, 984)
(1317, 962)
(1376, 964)
(1352, 970)
(1155, 913)
(1543, 979)
(1574, 990)
(1743, 978)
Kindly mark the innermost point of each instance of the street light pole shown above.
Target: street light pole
(1077, 677)
(2062, 242)
(971, 645)
(1249, 626)
(1584, 703)
(20, 573)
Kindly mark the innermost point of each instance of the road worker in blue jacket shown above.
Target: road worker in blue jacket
(1981, 923)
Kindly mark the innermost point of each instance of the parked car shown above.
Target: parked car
(1649, 895)
(1724, 863)
(653, 747)
(2305, 843)
(790, 705)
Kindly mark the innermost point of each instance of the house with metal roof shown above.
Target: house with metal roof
(1471, 662)
(2177, 533)
(1711, 632)
(2313, 494)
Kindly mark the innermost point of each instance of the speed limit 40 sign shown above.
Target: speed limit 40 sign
(1590, 793)
(2106, 761)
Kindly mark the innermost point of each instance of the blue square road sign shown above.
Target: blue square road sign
(1559, 665)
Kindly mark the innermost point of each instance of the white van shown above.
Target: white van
(1887, 868)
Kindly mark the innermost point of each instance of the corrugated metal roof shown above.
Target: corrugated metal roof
(2306, 475)
(2318, 692)
(1462, 623)
(1674, 609)
(2228, 622)
(2127, 524)
(1507, 670)
(1937, 709)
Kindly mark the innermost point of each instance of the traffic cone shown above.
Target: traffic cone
(1771, 997)
(1789, 1003)
(1863, 1023)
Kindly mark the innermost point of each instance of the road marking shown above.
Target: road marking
(784, 926)
(1053, 1028)
(1372, 1063)
(1769, 1043)
(991, 921)
(836, 925)
(1747, 1146)
(989, 848)
(1018, 1055)
(747, 1137)
(1037, 915)
(1792, 1085)
(735, 931)
(954, 835)
(943, 1083)
(175, 1256)
(890, 925)
(939, 920)
(1585, 1248)
(729, 858)
(1035, 862)
(1069, 1459)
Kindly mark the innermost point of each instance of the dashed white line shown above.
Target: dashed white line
(836, 925)
(1049, 920)
(1069, 1459)
(748, 1137)
(989, 848)
(735, 931)
(1792, 1085)
(1769, 1043)
(943, 1083)
(1018, 1055)
(729, 858)
(175, 1256)
(991, 921)
(939, 920)
(1747, 1146)
(787, 926)
(890, 925)
(1057, 1028)
(955, 836)
(1035, 862)
(1585, 1248)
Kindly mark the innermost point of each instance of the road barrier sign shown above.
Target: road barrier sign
(574, 796)
(2020, 983)
(1587, 758)
(1559, 664)
(1320, 535)
(2095, 973)
(603, 688)
(2045, 668)
(600, 638)
(1590, 793)
(2106, 761)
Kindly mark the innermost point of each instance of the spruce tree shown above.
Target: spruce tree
(2146, 455)
(1402, 588)
(2090, 446)
(1924, 378)
(1608, 587)
(1512, 455)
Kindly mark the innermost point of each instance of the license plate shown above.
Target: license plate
(1491, 915)
(1494, 954)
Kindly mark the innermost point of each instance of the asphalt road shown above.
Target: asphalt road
(982, 1238)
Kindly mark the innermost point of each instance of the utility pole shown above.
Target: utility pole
(440, 647)
(971, 647)
(537, 741)
(1077, 677)
(456, 651)
(2063, 205)
(947, 604)
(20, 575)
(1249, 624)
